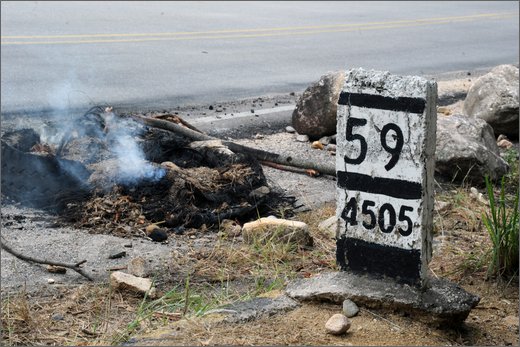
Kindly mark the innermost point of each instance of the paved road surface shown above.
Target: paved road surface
(166, 54)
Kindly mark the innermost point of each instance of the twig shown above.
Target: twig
(177, 120)
(75, 267)
(309, 172)
(383, 318)
(235, 147)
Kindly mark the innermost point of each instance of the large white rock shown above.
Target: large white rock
(315, 113)
(125, 282)
(466, 150)
(494, 98)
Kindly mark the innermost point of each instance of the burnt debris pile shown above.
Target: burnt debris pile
(111, 174)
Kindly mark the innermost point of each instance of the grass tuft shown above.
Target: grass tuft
(502, 224)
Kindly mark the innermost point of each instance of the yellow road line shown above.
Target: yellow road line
(269, 32)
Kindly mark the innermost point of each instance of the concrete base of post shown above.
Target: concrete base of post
(442, 302)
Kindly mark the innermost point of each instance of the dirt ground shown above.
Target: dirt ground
(93, 314)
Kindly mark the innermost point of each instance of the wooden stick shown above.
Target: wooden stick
(18, 255)
(309, 172)
(235, 147)
(177, 120)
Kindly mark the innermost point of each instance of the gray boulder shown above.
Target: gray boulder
(494, 98)
(315, 113)
(466, 150)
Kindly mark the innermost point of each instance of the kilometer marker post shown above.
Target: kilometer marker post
(386, 131)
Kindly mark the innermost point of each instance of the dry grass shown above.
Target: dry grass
(231, 259)
(77, 316)
(227, 270)
(202, 278)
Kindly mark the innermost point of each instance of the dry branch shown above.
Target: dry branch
(237, 148)
(75, 267)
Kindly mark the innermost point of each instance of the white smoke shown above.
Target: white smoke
(132, 165)
(120, 134)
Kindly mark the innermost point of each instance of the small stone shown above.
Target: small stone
(502, 137)
(444, 110)
(331, 147)
(337, 324)
(506, 144)
(117, 255)
(156, 234)
(290, 129)
(230, 228)
(350, 309)
(252, 111)
(260, 192)
(210, 107)
(50, 281)
(441, 206)
(475, 194)
(259, 136)
(302, 138)
(57, 317)
(329, 225)
(139, 267)
(125, 282)
(317, 145)
(325, 140)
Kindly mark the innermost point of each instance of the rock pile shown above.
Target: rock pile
(467, 145)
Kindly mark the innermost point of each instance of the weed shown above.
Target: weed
(502, 225)
(512, 177)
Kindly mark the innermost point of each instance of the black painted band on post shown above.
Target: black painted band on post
(399, 104)
(366, 257)
(377, 185)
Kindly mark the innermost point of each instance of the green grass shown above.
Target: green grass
(502, 224)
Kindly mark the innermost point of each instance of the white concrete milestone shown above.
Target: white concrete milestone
(384, 161)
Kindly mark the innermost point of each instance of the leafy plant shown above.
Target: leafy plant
(502, 225)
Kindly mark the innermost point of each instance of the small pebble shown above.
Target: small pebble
(50, 281)
(57, 317)
(504, 144)
(350, 309)
(259, 136)
(290, 129)
(325, 140)
(158, 235)
(317, 145)
(302, 138)
(117, 255)
(502, 137)
(337, 324)
(331, 147)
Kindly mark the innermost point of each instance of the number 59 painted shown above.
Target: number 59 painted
(395, 151)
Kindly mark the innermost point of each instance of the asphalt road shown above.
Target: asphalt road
(160, 55)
